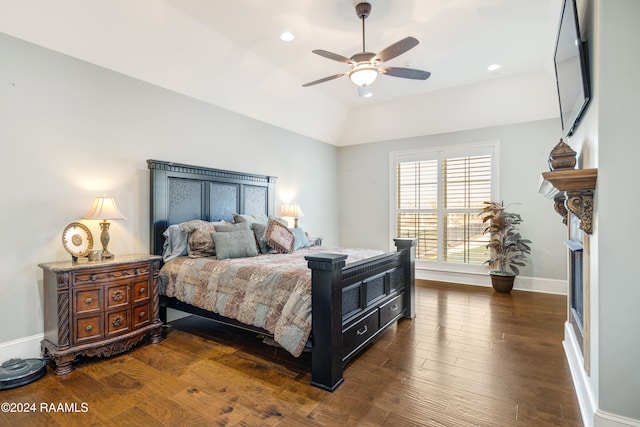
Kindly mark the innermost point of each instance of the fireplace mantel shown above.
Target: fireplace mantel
(572, 189)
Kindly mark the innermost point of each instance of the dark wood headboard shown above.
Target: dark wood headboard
(184, 192)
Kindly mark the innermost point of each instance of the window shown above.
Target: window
(438, 194)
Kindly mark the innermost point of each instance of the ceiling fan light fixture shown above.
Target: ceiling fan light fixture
(364, 92)
(363, 74)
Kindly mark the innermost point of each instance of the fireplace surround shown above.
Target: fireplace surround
(572, 191)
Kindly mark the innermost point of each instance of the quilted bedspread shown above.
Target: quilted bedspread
(271, 291)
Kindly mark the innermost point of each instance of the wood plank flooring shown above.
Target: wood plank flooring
(471, 357)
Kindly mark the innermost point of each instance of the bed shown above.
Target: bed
(353, 295)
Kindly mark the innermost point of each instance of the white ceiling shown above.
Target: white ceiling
(228, 53)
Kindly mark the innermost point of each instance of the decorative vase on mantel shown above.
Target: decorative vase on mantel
(562, 157)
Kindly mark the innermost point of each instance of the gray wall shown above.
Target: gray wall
(524, 151)
(71, 130)
(607, 139)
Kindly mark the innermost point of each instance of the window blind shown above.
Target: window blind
(438, 200)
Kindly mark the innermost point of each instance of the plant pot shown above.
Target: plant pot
(502, 281)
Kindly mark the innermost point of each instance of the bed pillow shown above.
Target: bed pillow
(227, 227)
(234, 244)
(279, 237)
(200, 242)
(251, 219)
(176, 242)
(300, 238)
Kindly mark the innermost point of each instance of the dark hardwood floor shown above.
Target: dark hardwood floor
(471, 357)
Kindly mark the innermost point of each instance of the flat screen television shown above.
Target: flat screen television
(572, 72)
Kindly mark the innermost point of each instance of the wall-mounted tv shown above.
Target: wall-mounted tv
(572, 72)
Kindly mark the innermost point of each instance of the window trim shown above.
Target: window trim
(425, 153)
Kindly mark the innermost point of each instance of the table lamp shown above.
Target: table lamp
(293, 211)
(104, 208)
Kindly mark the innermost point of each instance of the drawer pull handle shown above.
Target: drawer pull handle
(93, 277)
(362, 331)
(394, 307)
(88, 328)
(88, 301)
(117, 322)
(142, 314)
(117, 295)
(142, 290)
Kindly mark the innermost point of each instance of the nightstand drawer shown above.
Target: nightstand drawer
(87, 301)
(117, 295)
(88, 328)
(109, 274)
(141, 315)
(140, 291)
(117, 322)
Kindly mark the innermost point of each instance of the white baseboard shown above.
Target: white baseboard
(523, 283)
(605, 419)
(22, 348)
(586, 397)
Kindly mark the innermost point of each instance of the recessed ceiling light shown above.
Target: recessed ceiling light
(493, 67)
(286, 36)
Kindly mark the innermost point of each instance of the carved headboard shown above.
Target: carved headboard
(181, 193)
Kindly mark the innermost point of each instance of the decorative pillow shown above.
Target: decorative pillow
(176, 242)
(251, 219)
(200, 242)
(259, 231)
(227, 227)
(300, 238)
(279, 237)
(234, 244)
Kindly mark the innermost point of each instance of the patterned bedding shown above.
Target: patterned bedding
(271, 291)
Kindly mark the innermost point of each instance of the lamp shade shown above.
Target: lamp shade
(293, 211)
(104, 208)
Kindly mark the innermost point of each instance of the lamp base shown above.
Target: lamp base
(104, 239)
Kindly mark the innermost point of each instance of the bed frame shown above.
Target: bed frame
(351, 305)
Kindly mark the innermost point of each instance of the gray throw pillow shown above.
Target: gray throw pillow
(235, 244)
(232, 227)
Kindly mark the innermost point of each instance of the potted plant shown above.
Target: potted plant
(508, 249)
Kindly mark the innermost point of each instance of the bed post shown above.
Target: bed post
(408, 246)
(326, 306)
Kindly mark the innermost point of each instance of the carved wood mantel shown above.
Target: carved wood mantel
(572, 189)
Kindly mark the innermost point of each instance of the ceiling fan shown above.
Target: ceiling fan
(365, 65)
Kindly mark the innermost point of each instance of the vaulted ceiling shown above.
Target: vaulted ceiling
(229, 53)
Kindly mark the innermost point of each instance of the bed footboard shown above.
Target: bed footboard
(352, 305)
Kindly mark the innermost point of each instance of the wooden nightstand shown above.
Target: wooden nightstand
(99, 308)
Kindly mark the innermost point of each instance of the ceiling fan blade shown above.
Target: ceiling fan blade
(326, 79)
(406, 73)
(396, 49)
(332, 55)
